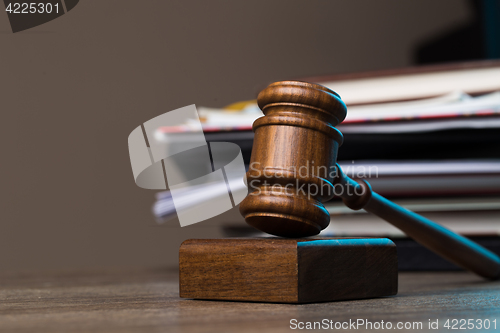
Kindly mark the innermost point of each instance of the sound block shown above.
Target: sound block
(287, 270)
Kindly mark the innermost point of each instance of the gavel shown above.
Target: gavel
(293, 170)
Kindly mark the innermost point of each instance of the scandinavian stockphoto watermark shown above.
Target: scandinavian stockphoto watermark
(205, 179)
(309, 180)
(170, 152)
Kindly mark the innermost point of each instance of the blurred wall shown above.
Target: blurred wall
(73, 89)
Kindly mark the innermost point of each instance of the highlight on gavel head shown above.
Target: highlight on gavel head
(292, 168)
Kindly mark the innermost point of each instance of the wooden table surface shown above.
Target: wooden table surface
(148, 301)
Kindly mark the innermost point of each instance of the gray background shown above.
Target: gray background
(73, 89)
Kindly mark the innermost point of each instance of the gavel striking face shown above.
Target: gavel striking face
(292, 168)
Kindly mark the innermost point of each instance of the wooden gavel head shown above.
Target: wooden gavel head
(292, 168)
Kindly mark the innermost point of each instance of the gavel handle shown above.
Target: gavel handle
(451, 246)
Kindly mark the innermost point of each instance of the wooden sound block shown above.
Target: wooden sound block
(288, 270)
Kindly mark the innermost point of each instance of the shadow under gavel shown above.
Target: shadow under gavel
(293, 170)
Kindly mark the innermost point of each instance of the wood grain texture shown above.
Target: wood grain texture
(239, 269)
(293, 170)
(287, 270)
(126, 301)
(295, 146)
(451, 246)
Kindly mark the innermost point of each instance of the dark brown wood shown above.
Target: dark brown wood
(293, 170)
(239, 269)
(451, 246)
(295, 148)
(287, 270)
